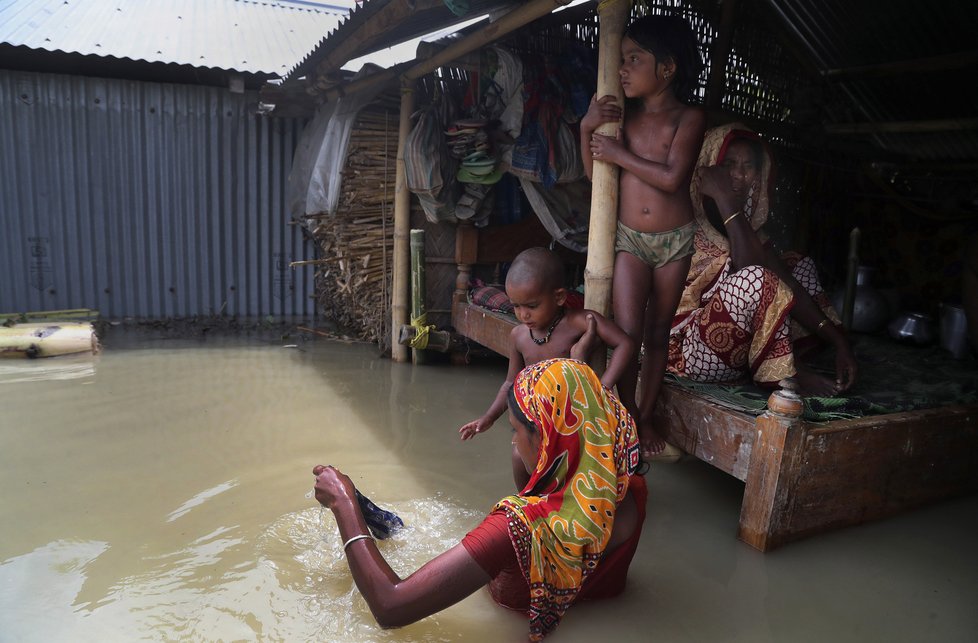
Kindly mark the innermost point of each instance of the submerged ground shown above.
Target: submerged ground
(159, 491)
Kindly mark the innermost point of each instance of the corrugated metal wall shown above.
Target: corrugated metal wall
(145, 200)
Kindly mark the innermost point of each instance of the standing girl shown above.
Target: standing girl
(656, 149)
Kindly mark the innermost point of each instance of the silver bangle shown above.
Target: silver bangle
(356, 538)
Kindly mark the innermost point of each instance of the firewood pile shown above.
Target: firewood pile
(354, 271)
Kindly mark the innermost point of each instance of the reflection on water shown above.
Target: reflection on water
(163, 495)
(69, 367)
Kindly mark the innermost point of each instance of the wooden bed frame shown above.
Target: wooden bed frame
(800, 478)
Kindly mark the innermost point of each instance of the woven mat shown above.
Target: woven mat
(892, 378)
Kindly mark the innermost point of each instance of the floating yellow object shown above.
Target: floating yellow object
(40, 339)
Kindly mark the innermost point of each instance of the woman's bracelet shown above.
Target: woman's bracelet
(731, 217)
(354, 539)
(820, 324)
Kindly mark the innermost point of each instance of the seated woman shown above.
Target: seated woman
(570, 533)
(733, 317)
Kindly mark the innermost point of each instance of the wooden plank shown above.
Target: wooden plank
(720, 436)
(959, 60)
(904, 127)
(492, 330)
(858, 470)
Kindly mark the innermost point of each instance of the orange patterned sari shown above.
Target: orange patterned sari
(561, 521)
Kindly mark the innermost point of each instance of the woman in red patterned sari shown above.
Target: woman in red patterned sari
(569, 534)
(745, 308)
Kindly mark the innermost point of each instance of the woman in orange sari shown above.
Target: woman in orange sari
(746, 308)
(569, 534)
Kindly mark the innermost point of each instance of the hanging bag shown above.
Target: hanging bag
(428, 169)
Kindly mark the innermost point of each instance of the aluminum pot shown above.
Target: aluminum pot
(870, 308)
(916, 328)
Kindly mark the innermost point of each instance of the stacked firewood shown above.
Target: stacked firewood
(353, 279)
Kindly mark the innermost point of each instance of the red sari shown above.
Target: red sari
(729, 324)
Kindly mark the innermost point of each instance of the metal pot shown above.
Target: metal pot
(954, 330)
(916, 328)
(870, 308)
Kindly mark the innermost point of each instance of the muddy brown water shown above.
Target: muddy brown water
(159, 492)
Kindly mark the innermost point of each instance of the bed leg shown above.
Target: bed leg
(771, 473)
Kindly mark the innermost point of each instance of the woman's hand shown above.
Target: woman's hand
(332, 486)
(846, 367)
(715, 183)
(600, 111)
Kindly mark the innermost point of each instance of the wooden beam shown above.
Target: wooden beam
(904, 127)
(418, 67)
(511, 21)
(389, 16)
(960, 60)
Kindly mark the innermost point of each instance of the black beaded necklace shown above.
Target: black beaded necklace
(550, 331)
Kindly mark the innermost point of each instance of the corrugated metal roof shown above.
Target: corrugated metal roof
(241, 35)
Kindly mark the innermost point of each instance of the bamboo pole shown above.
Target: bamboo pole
(719, 55)
(612, 15)
(402, 225)
(419, 317)
(848, 304)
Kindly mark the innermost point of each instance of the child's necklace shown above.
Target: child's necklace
(550, 331)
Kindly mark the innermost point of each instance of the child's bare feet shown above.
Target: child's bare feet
(582, 349)
(652, 443)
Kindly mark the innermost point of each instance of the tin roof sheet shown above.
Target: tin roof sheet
(250, 36)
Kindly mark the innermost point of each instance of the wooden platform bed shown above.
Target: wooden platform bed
(800, 478)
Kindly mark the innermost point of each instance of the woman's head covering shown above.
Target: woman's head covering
(715, 144)
(561, 521)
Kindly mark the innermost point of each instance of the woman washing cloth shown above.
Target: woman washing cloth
(570, 533)
(733, 317)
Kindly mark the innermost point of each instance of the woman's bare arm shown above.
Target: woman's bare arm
(746, 249)
(442, 582)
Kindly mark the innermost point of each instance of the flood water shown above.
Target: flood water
(159, 491)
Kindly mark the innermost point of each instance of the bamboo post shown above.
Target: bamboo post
(419, 318)
(848, 304)
(612, 15)
(402, 225)
(719, 54)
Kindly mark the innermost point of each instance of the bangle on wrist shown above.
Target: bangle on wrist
(731, 217)
(354, 539)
